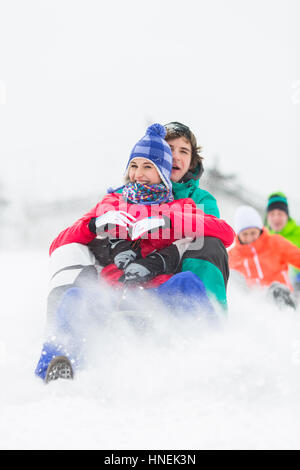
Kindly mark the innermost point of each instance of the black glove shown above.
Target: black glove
(142, 270)
(108, 251)
(101, 250)
(124, 252)
(281, 295)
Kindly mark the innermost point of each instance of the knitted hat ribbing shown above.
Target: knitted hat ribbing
(278, 201)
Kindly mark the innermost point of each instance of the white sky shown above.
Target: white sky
(81, 80)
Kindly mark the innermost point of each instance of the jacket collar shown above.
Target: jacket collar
(192, 174)
(189, 181)
(181, 190)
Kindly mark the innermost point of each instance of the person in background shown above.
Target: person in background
(279, 221)
(262, 258)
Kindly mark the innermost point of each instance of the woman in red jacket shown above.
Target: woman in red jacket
(142, 219)
(147, 233)
(263, 259)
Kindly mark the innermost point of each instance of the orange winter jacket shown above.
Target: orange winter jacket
(266, 260)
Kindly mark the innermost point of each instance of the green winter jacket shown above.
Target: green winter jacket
(291, 231)
(205, 266)
(200, 196)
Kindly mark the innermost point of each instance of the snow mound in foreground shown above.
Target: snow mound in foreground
(180, 385)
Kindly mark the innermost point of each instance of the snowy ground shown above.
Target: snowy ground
(180, 387)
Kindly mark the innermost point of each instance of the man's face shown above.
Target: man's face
(182, 156)
(277, 219)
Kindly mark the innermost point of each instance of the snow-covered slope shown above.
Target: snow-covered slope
(182, 386)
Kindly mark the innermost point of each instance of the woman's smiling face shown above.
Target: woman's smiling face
(143, 171)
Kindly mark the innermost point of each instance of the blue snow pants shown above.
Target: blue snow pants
(183, 294)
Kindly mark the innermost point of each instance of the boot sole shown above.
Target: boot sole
(59, 368)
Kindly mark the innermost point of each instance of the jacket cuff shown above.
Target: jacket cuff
(92, 225)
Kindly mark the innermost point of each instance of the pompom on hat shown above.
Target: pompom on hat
(153, 147)
(247, 217)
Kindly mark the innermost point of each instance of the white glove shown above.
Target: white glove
(113, 218)
(146, 225)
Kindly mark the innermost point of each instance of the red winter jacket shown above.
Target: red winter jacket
(186, 221)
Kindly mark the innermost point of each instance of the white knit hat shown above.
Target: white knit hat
(247, 217)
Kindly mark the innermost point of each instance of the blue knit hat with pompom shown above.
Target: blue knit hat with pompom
(153, 147)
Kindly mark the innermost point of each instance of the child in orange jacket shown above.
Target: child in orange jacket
(262, 258)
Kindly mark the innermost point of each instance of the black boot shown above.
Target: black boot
(59, 368)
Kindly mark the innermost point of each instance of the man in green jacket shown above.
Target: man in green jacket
(279, 221)
(209, 259)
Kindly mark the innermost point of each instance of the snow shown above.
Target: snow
(181, 386)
